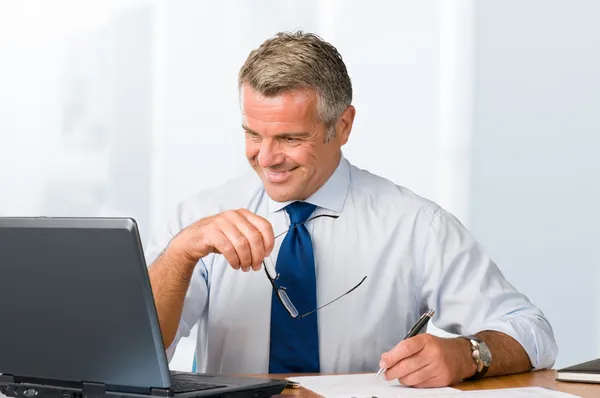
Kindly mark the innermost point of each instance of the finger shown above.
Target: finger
(252, 236)
(408, 366)
(404, 349)
(238, 240)
(224, 246)
(419, 376)
(265, 228)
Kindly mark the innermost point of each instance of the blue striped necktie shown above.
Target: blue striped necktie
(294, 343)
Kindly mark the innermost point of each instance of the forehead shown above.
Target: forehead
(298, 106)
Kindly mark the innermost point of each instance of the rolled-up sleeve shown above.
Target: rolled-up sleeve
(194, 306)
(470, 294)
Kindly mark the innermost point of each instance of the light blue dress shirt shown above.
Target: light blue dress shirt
(415, 256)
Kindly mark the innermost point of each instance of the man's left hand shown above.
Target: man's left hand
(429, 361)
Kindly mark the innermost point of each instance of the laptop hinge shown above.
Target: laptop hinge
(7, 378)
(93, 390)
(160, 392)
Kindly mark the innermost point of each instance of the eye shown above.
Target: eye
(252, 135)
(291, 140)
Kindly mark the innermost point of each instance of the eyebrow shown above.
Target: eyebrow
(298, 134)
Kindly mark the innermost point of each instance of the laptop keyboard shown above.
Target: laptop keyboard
(184, 383)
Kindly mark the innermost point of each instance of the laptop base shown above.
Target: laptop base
(223, 386)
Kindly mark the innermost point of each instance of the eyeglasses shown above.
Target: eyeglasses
(280, 291)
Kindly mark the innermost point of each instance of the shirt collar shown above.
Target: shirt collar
(331, 196)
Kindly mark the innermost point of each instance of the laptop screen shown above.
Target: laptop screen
(77, 304)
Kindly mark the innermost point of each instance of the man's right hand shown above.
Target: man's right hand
(241, 236)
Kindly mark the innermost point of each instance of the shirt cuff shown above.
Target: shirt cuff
(538, 343)
(170, 351)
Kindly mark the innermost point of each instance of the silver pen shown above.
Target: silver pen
(414, 331)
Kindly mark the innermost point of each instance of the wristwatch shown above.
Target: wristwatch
(481, 354)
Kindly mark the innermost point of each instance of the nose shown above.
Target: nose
(270, 154)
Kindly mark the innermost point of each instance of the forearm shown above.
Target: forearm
(508, 356)
(170, 277)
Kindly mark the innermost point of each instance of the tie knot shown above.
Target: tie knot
(299, 211)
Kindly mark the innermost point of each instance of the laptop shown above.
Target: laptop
(78, 319)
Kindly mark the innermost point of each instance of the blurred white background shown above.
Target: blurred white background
(489, 107)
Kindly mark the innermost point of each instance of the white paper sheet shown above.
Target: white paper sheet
(525, 392)
(365, 385)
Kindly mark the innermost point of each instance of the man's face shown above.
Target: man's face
(285, 143)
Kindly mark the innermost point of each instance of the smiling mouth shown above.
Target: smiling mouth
(278, 176)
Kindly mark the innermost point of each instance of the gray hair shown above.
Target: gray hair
(293, 61)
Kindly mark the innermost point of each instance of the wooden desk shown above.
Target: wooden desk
(543, 378)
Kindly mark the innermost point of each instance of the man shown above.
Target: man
(344, 224)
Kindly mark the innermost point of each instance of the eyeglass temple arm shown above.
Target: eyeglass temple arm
(334, 300)
(310, 219)
(269, 277)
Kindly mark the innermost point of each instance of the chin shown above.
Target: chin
(280, 193)
(277, 195)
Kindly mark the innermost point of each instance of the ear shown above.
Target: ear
(344, 124)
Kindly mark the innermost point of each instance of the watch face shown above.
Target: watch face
(484, 354)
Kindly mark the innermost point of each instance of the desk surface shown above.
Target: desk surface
(543, 378)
